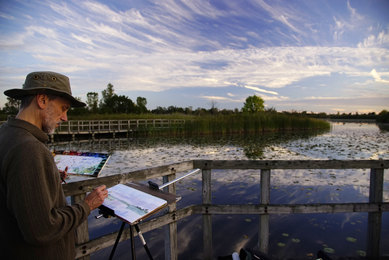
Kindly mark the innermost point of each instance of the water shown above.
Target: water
(291, 236)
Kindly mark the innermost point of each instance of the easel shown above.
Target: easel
(132, 241)
(106, 212)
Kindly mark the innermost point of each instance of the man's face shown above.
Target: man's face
(55, 113)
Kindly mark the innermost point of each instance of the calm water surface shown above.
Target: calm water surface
(291, 236)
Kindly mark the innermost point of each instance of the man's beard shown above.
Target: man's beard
(49, 125)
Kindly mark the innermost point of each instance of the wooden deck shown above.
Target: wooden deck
(375, 207)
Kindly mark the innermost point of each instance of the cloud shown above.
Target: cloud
(219, 98)
(261, 90)
(184, 44)
(381, 40)
(83, 39)
(272, 98)
(377, 77)
(281, 13)
(6, 16)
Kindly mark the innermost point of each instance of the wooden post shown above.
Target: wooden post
(264, 218)
(82, 234)
(375, 218)
(207, 218)
(171, 245)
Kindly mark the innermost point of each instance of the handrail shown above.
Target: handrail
(91, 126)
(375, 207)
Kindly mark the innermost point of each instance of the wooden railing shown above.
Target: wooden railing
(77, 127)
(374, 207)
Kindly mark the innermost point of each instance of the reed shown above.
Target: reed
(247, 124)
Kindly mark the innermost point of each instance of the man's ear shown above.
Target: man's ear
(41, 100)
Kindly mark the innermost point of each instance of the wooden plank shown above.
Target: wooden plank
(155, 172)
(264, 225)
(295, 208)
(375, 218)
(264, 231)
(207, 218)
(376, 185)
(80, 187)
(265, 186)
(171, 244)
(290, 164)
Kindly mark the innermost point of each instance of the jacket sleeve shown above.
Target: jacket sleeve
(35, 196)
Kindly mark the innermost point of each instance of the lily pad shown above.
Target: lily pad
(280, 244)
(329, 250)
(361, 253)
(295, 240)
(351, 239)
(285, 234)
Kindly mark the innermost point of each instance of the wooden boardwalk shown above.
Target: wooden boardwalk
(375, 207)
(96, 127)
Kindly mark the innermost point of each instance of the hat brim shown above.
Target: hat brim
(17, 93)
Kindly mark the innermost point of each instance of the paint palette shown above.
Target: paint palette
(81, 163)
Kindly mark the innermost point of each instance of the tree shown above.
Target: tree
(213, 109)
(253, 104)
(122, 104)
(108, 92)
(12, 106)
(383, 117)
(106, 103)
(141, 103)
(92, 101)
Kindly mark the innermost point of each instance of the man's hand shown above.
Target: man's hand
(64, 174)
(96, 197)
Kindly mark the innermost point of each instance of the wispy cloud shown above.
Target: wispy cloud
(255, 46)
(220, 98)
(6, 16)
(261, 90)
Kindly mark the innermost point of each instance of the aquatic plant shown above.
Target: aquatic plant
(248, 123)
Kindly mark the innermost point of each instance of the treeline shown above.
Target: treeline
(382, 117)
(112, 105)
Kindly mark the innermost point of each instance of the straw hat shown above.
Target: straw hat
(45, 82)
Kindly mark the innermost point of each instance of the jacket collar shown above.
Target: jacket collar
(34, 130)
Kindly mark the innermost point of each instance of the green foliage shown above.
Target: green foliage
(383, 117)
(12, 106)
(141, 103)
(253, 104)
(92, 100)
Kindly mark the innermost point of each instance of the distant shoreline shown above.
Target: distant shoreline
(351, 120)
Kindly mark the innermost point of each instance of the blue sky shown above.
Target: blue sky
(320, 56)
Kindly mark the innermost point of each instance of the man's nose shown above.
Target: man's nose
(64, 117)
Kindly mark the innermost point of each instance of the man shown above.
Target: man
(36, 222)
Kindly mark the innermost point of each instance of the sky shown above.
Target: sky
(317, 56)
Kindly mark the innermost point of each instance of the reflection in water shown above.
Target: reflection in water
(295, 236)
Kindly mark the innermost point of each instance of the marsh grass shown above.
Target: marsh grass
(252, 124)
(243, 124)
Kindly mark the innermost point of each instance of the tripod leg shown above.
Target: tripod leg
(117, 241)
(132, 244)
(143, 242)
